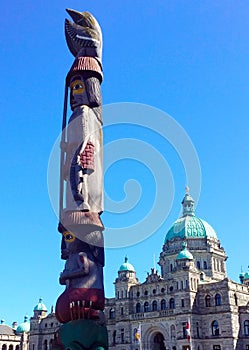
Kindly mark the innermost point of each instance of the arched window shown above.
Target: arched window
(205, 265)
(215, 328)
(163, 304)
(208, 301)
(4, 347)
(18, 347)
(112, 313)
(236, 299)
(146, 306)
(122, 335)
(197, 330)
(50, 344)
(217, 299)
(45, 345)
(10, 347)
(198, 265)
(172, 332)
(114, 337)
(246, 328)
(154, 305)
(172, 303)
(138, 307)
(135, 335)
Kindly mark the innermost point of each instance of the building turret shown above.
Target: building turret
(188, 204)
(40, 310)
(126, 279)
(202, 242)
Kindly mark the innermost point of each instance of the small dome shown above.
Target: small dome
(184, 253)
(24, 327)
(40, 306)
(246, 276)
(126, 266)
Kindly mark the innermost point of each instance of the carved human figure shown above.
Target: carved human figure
(83, 168)
(83, 278)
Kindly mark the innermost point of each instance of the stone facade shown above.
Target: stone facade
(42, 330)
(192, 288)
(10, 339)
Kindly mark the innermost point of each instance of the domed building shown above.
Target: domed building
(15, 337)
(42, 327)
(9, 340)
(191, 304)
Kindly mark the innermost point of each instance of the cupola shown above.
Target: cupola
(40, 310)
(24, 327)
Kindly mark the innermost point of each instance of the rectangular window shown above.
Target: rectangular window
(182, 302)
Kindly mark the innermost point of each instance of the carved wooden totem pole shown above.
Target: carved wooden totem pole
(80, 306)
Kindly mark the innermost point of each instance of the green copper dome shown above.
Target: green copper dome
(189, 225)
(246, 276)
(126, 266)
(24, 327)
(40, 306)
(184, 253)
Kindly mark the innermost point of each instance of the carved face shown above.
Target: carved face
(78, 95)
(72, 244)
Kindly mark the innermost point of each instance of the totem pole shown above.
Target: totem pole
(80, 306)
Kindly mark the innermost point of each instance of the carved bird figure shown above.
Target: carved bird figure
(83, 36)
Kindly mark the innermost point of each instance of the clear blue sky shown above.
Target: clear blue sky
(187, 58)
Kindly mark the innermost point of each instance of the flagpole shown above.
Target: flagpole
(140, 342)
(188, 334)
(191, 347)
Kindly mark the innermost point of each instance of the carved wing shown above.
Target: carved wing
(83, 33)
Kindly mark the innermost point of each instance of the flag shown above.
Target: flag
(138, 334)
(188, 331)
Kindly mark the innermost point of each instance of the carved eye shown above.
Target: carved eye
(77, 87)
(68, 236)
